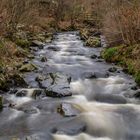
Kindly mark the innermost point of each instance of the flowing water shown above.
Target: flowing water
(101, 107)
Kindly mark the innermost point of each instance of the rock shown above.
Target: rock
(28, 68)
(38, 44)
(54, 48)
(1, 102)
(113, 69)
(40, 78)
(137, 94)
(57, 94)
(92, 75)
(29, 92)
(18, 80)
(43, 59)
(22, 93)
(93, 42)
(67, 110)
(134, 88)
(94, 56)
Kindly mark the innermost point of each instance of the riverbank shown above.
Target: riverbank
(15, 52)
(125, 56)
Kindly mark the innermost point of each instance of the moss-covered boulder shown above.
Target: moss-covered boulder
(28, 68)
(93, 42)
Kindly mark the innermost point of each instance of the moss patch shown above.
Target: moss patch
(23, 43)
(126, 56)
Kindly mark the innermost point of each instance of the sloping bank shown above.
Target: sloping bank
(15, 53)
(127, 57)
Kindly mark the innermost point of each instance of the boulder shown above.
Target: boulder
(28, 68)
(67, 110)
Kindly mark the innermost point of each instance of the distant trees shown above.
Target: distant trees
(119, 19)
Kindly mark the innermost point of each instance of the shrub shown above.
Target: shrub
(109, 53)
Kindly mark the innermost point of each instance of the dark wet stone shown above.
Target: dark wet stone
(40, 78)
(134, 88)
(67, 110)
(18, 80)
(92, 75)
(13, 91)
(22, 93)
(112, 69)
(43, 59)
(137, 94)
(94, 56)
(54, 48)
(57, 94)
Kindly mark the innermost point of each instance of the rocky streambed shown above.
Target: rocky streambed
(72, 94)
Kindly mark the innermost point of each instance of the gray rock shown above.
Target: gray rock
(67, 110)
(37, 43)
(113, 69)
(92, 75)
(57, 94)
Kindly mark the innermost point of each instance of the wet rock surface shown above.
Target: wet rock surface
(71, 94)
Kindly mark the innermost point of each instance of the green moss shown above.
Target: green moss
(109, 53)
(137, 77)
(23, 43)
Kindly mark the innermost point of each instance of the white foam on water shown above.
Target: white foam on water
(81, 136)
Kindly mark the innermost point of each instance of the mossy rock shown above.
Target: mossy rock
(23, 43)
(93, 42)
(28, 68)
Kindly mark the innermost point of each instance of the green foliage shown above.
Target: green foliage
(23, 43)
(109, 53)
(137, 77)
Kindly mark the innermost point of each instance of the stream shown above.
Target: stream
(73, 95)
